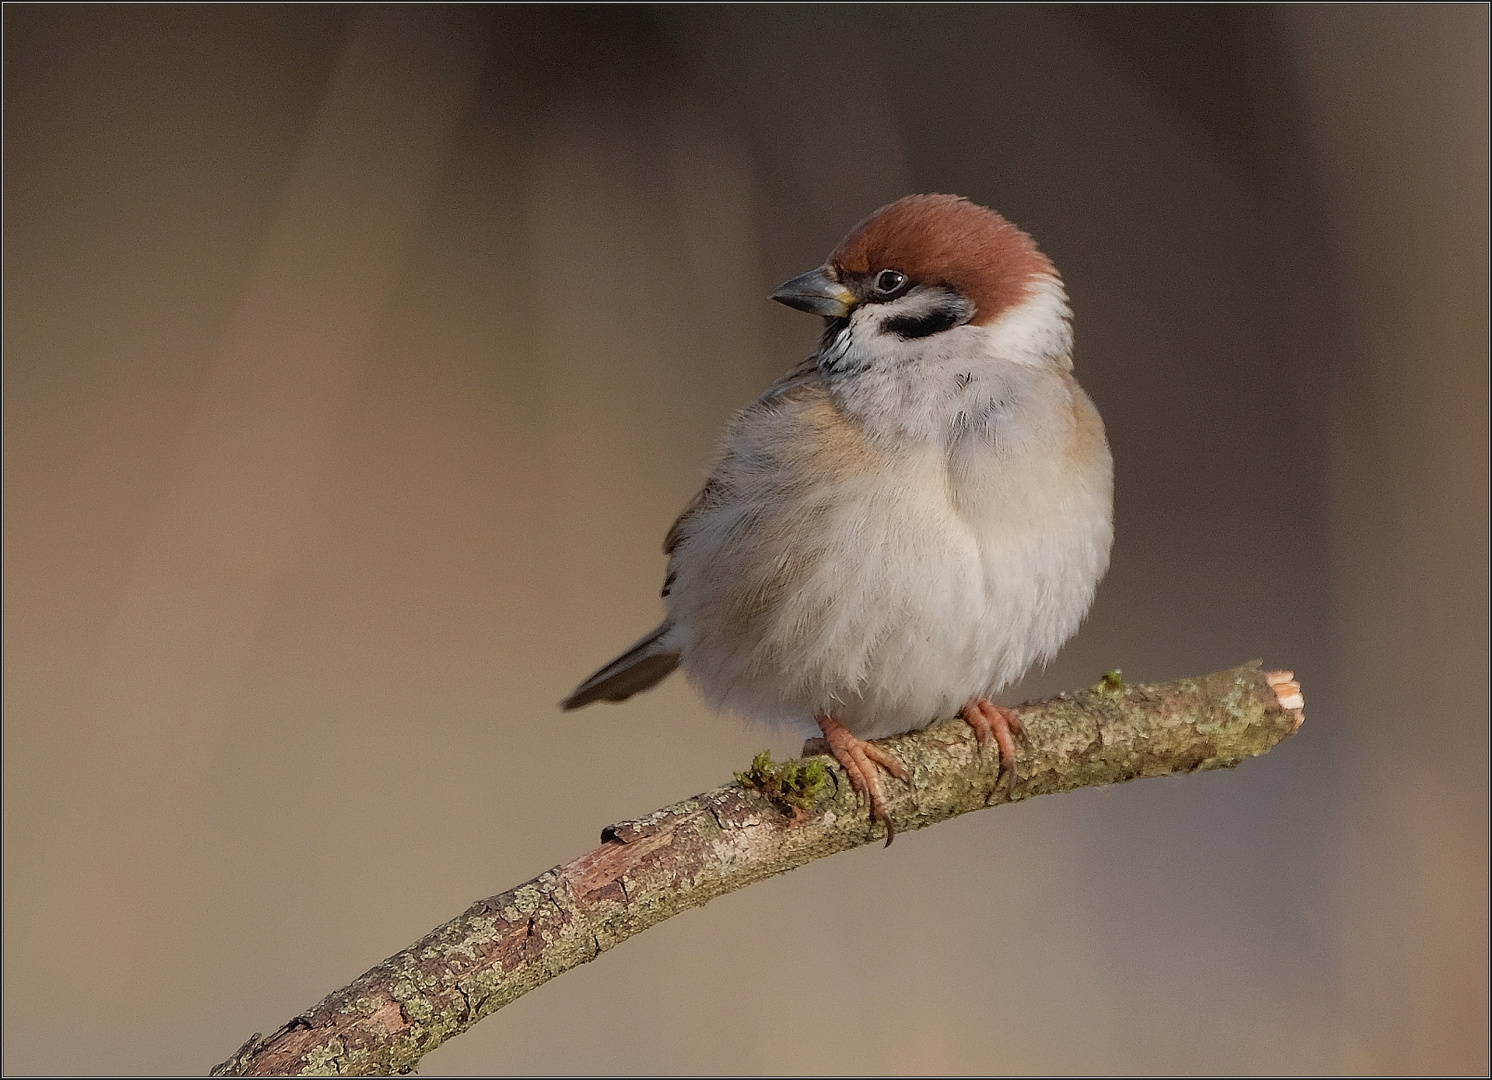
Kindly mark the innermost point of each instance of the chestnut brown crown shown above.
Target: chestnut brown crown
(947, 240)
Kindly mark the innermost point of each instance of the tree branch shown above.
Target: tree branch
(769, 821)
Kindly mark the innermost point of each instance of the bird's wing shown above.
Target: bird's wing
(796, 376)
(654, 657)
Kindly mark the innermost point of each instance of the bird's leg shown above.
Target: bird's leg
(860, 759)
(991, 721)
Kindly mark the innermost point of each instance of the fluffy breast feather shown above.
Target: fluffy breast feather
(825, 568)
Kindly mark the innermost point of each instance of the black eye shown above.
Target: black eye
(890, 282)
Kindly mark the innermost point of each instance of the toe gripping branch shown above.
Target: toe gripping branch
(860, 760)
(1003, 726)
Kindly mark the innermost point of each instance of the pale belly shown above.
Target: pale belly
(898, 604)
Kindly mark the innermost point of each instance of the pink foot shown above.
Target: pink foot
(991, 721)
(860, 759)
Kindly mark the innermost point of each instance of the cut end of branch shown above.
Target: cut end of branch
(1287, 692)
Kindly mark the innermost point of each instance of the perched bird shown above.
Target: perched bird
(905, 522)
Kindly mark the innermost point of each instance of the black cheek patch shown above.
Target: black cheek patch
(919, 326)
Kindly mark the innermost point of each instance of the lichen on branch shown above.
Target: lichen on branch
(773, 818)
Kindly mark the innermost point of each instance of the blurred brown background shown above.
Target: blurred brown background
(357, 360)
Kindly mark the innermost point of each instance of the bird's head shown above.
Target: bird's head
(927, 265)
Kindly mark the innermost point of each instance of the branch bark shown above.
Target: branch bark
(687, 854)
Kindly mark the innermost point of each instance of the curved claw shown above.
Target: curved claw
(991, 721)
(859, 759)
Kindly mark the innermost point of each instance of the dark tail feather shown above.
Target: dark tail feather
(640, 668)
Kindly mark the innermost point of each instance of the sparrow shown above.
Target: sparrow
(905, 522)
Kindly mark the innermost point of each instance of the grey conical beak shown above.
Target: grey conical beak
(816, 292)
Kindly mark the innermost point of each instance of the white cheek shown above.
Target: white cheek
(1036, 331)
